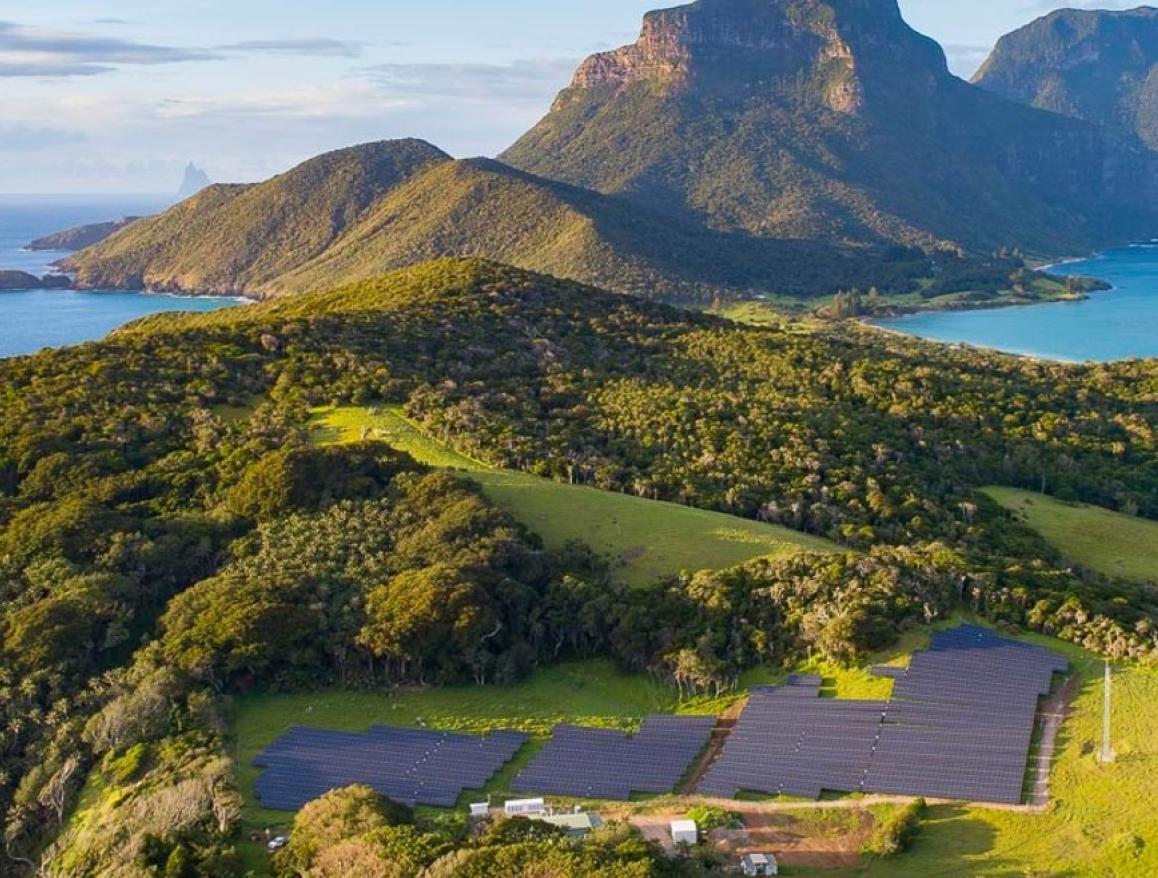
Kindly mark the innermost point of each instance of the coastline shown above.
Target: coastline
(1090, 329)
(38, 319)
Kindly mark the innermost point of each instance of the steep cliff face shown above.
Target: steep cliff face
(1098, 66)
(753, 43)
(829, 119)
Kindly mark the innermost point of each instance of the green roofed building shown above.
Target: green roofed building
(575, 825)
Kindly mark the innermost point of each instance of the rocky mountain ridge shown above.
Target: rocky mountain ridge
(1100, 66)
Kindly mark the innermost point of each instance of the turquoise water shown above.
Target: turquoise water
(35, 319)
(1115, 325)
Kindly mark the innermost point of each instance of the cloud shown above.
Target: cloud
(20, 138)
(349, 99)
(521, 81)
(319, 47)
(50, 70)
(33, 52)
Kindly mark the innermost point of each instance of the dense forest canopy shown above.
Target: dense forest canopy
(169, 534)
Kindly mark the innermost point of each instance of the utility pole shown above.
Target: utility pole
(1107, 755)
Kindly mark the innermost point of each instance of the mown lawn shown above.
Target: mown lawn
(1099, 539)
(644, 539)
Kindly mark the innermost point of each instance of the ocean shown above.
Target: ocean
(1115, 325)
(34, 319)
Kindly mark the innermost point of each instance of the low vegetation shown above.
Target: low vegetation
(896, 833)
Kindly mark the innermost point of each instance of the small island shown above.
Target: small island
(22, 280)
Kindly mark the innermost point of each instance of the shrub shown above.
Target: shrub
(896, 832)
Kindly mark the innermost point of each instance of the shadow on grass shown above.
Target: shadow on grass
(952, 844)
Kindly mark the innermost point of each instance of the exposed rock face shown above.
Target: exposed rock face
(833, 120)
(1099, 66)
(727, 41)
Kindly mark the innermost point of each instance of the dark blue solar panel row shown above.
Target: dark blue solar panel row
(958, 726)
(960, 720)
(790, 742)
(408, 765)
(608, 764)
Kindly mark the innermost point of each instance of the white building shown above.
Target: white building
(525, 808)
(759, 864)
(685, 832)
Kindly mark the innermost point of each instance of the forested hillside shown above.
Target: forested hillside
(355, 213)
(170, 535)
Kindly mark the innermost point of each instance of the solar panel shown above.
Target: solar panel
(413, 766)
(609, 764)
(958, 726)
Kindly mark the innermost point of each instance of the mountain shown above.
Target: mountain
(234, 238)
(193, 182)
(81, 236)
(358, 212)
(830, 120)
(1096, 65)
(785, 146)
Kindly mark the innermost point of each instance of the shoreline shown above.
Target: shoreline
(82, 291)
(1105, 330)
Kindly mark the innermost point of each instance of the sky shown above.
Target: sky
(117, 96)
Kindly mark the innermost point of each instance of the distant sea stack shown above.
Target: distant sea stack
(80, 237)
(194, 181)
(1095, 65)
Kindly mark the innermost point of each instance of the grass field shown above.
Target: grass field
(645, 539)
(1098, 539)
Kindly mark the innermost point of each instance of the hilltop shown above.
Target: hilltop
(358, 212)
(831, 120)
(1100, 66)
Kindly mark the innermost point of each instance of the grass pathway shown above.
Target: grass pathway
(644, 539)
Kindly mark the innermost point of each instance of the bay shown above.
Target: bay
(34, 319)
(1115, 325)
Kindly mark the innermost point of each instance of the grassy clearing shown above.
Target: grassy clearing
(341, 426)
(645, 539)
(1099, 539)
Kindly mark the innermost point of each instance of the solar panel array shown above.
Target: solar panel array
(959, 722)
(791, 742)
(412, 766)
(958, 726)
(609, 764)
